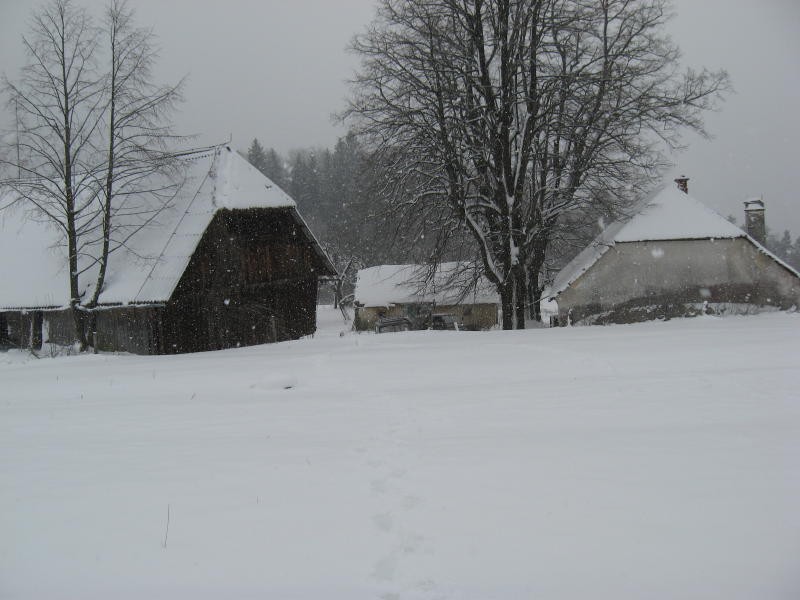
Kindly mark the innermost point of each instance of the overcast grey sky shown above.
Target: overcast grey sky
(277, 70)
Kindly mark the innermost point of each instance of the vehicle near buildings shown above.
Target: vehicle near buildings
(444, 322)
(393, 325)
(436, 322)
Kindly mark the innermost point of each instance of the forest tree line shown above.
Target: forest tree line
(337, 191)
(783, 247)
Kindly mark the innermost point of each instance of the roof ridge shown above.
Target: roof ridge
(657, 219)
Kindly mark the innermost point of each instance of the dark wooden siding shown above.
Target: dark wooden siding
(119, 329)
(17, 329)
(129, 328)
(60, 327)
(252, 280)
(32, 328)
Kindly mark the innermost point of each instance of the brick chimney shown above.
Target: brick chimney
(683, 183)
(754, 222)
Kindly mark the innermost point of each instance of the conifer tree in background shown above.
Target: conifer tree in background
(269, 162)
(275, 169)
(783, 247)
(257, 157)
(304, 186)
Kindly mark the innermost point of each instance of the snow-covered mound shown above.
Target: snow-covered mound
(654, 461)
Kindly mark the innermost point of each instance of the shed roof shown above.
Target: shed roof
(384, 285)
(669, 214)
(33, 264)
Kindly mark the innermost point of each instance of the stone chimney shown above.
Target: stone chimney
(754, 223)
(683, 183)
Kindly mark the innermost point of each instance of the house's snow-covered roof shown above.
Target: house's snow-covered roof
(669, 214)
(673, 215)
(403, 284)
(33, 266)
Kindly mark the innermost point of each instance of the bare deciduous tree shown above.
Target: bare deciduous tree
(138, 135)
(58, 101)
(93, 143)
(495, 118)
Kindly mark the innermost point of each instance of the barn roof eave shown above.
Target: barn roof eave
(327, 264)
(100, 306)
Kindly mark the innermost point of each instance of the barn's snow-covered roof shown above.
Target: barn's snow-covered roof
(669, 214)
(384, 285)
(33, 264)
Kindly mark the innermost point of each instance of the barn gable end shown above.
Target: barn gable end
(252, 279)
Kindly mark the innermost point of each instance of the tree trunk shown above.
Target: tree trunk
(69, 200)
(337, 293)
(530, 293)
(520, 296)
(536, 302)
(93, 330)
(77, 321)
(507, 304)
(534, 294)
(72, 250)
(110, 172)
(534, 278)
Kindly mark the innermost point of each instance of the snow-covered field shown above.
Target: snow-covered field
(654, 461)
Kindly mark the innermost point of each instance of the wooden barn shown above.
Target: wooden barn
(230, 262)
(674, 257)
(410, 291)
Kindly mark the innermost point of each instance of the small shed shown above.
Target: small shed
(230, 262)
(673, 257)
(417, 291)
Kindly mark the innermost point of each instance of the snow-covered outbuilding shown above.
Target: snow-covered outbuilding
(415, 292)
(230, 262)
(673, 257)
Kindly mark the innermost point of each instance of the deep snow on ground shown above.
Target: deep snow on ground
(648, 461)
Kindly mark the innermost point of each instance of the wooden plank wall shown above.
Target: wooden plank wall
(252, 280)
